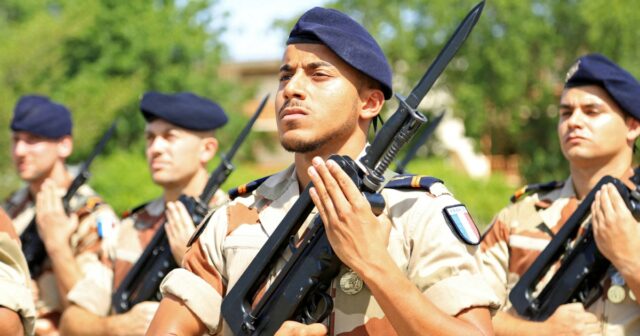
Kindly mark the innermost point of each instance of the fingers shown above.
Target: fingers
(327, 186)
(179, 223)
(291, 328)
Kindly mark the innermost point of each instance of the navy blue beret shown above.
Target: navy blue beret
(41, 116)
(347, 39)
(183, 109)
(595, 69)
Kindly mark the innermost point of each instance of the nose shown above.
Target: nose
(19, 148)
(294, 88)
(575, 119)
(155, 146)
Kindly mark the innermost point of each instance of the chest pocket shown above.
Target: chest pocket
(244, 239)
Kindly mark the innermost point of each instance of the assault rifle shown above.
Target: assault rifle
(142, 282)
(418, 142)
(582, 266)
(299, 290)
(32, 245)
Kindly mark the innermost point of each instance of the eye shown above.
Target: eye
(285, 77)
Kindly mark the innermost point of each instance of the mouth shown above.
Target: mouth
(292, 113)
(158, 165)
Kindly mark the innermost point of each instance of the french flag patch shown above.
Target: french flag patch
(460, 220)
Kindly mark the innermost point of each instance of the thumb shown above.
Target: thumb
(73, 222)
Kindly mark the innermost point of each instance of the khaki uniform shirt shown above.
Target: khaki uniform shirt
(15, 292)
(94, 218)
(420, 243)
(135, 232)
(517, 237)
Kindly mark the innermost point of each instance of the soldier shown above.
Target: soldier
(419, 277)
(597, 128)
(41, 143)
(17, 311)
(180, 142)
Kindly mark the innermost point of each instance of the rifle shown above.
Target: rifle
(142, 282)
(32, 245)
(582, 267)
(299, 290)
(422, 138)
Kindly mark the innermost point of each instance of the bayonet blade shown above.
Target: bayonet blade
(445, 56)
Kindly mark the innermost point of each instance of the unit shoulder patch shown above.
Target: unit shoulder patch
(459, 218)
(535, 187)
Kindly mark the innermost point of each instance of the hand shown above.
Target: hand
(35, 291)
(54, 226)
(572, 319)
(179, 229)
(291, 328)
(357, 236)
(616, 232)
(134, 322)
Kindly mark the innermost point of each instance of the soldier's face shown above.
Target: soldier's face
(592, 128)
(173, 153)
(317, 100)
(35, 157)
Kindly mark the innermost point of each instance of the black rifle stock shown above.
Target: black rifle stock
(142, 282)
(299, 290)
(582, 266)
(32, 245)
(418, 142)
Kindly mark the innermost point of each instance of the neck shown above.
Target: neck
(586, 176)
(58, 174)
(351, 148)
(191, 187)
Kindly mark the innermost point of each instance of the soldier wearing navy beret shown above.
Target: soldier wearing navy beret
(405, 272)
(41, 134)
(598, 125)
(180, 141)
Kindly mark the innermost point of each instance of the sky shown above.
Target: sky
(250, 35)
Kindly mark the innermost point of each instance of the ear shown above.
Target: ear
(372, 101)
(634, 130)
(65, 147)
(209, 148)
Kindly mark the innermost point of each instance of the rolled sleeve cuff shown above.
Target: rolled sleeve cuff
(196, 294)
(92, 296)
(457, 293)
(19, 299)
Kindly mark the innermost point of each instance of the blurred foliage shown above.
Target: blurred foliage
(98, 58)
(508, 76)
(483, 197)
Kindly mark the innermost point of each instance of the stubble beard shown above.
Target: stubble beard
(302, 146)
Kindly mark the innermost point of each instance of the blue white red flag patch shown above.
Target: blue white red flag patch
(460, 220)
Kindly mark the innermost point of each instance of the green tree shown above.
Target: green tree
(508, 76)
(98, 57)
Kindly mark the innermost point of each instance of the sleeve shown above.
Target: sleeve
(493, 256)
(440, 264)
(200, 284)
(15, 293)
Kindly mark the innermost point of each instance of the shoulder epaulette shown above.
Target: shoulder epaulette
(535, 187)
(409, 181)
(246, 188)
(130, 212)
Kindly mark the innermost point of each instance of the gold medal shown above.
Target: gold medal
(616, 294)
(631, 295)
(350, 283)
